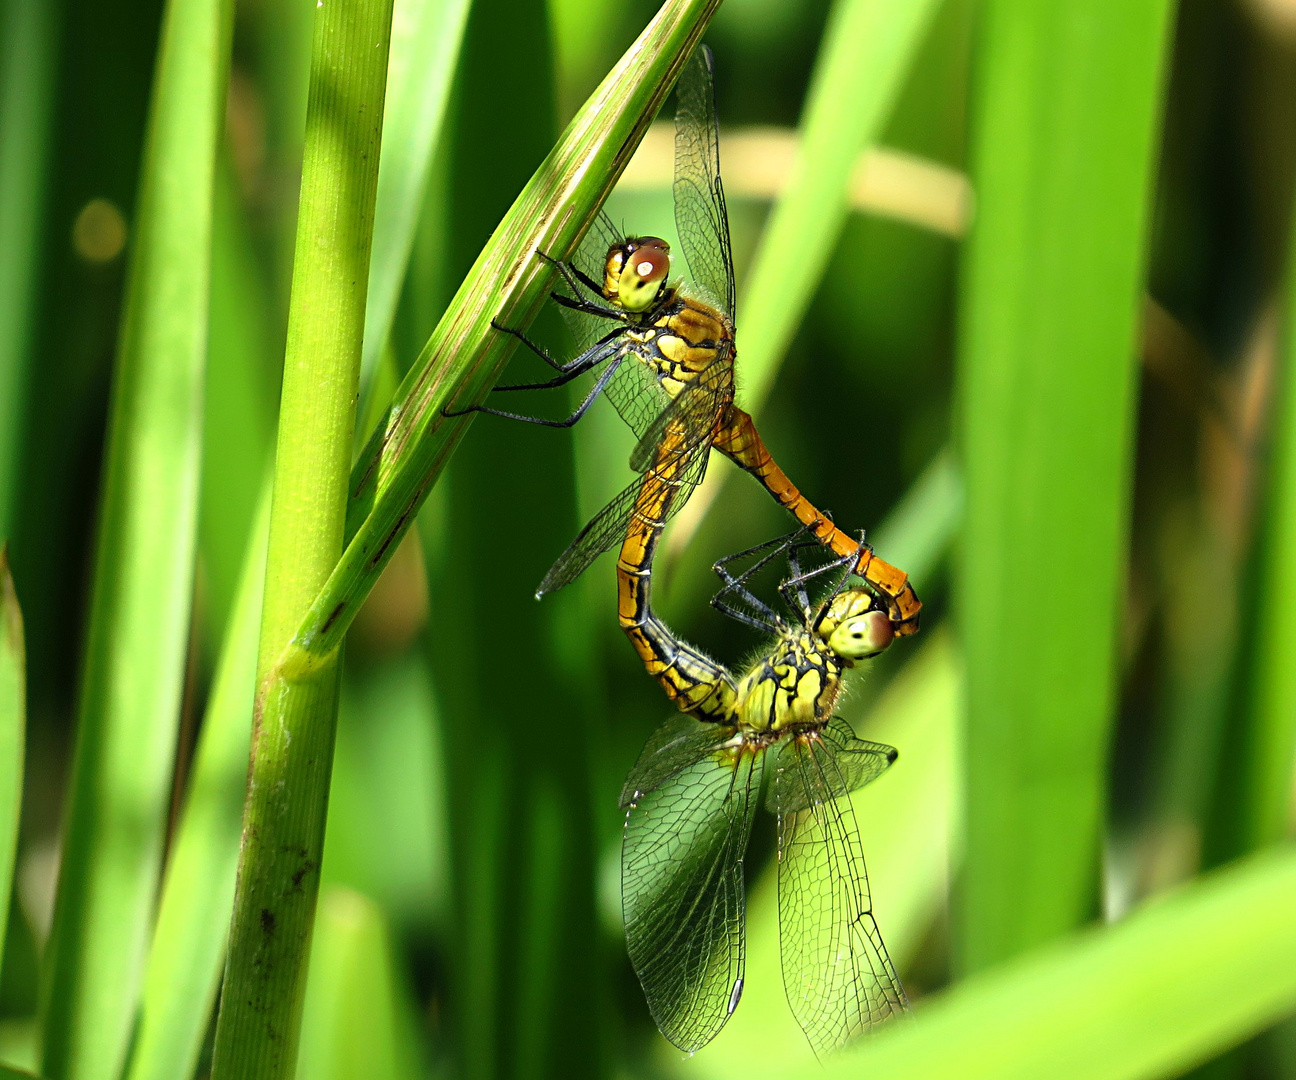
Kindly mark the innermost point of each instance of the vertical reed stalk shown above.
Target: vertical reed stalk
(292, 752)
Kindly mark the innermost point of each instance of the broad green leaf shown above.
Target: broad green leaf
(1064, 135)
(135, 650)
(1179, 981)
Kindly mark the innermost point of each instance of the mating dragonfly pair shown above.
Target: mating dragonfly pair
(664, 355)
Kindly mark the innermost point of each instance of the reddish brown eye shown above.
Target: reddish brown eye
(650, 263)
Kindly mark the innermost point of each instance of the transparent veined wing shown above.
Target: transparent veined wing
(682, 893)
(701, 218)
(636, 395)
(836, 973)
(679, 743)
(856, 762)
(692, 414)
(678, 463)
(589, 258)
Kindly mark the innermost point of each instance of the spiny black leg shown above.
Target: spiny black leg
(766, 625)
(558, 380)
(572, 274)
(578, 365)
(766, 618)
(796, 584)
(557, 365)
(591, 308)
(542, 421)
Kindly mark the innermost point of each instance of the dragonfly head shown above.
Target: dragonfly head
(853, 626)
(635, 273)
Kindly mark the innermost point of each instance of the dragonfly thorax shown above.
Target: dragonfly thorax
(795, 686)
(634, 276)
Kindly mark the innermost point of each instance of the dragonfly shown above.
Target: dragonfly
(691, 798)
(664, 351)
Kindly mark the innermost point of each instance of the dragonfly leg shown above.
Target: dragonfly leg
(591, 308)
(571, 274)
(570, 421)
(797, 582)
(592, 356)
(766, 618)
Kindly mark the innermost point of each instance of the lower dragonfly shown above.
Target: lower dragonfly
(691, 797)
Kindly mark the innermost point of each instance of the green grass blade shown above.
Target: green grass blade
(356, 1019)
(274, 904)
(1269, 747)
(184, 962)
(1169, 987)
(239, 406)
(27, 38)
(525, 971)
(13, 730)
(1064, 136)
(866, 53)
(507, 284)
(426, 35)
(139, 615)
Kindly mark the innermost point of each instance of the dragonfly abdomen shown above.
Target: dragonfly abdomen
(739, 441)
(694, 682)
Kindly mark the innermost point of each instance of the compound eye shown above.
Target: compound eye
(650, 264)
(862, 636)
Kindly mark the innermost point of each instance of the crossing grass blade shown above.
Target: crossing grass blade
(13, 730)
(507, 284)
(866, 52)
(139, 613)
(188, 945)
(1127, 1002)
(1067, 103)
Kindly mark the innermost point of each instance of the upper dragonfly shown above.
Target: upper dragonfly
(666, 348)
(691, 797)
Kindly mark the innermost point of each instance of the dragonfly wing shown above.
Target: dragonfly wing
(700, 214)
(692, 414)
(590, 258)
(637, 395)
(682, 876)
(656, 497)
(855, 762)
(836, 973)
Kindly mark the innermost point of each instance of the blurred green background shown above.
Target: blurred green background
(1036, 343)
